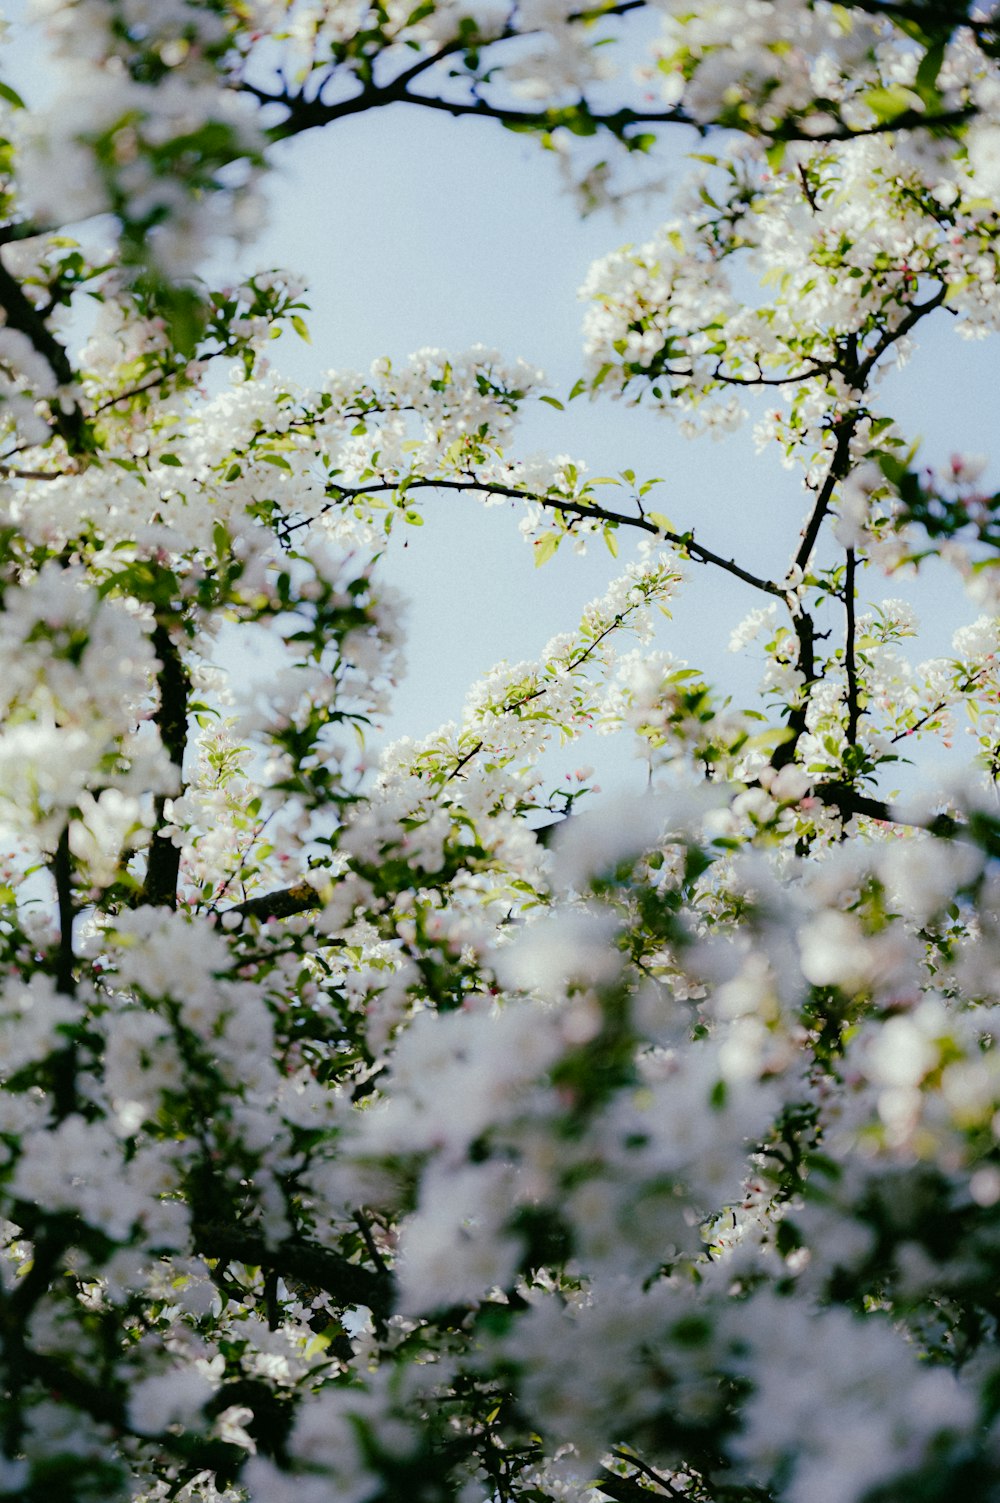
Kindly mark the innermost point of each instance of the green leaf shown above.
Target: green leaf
(545, 547)
(927, 73)
(278, 460)
(301, 328)
(11, 96)
(891, 468)
(553, 402)
(662, 522)
(611, 541)
(889, 103)
(170, 459)
(185, 315)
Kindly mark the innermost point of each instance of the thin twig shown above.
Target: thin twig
(582, 509)
(373, 1252)
(649, 1472)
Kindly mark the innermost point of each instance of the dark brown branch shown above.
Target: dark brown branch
(839, 467)
(135, 391)
(464, 761)
(648, 1471)
(313, 114)
(64, 1061)
(847, 801)
(805, 632)
(364, 1226)
(859, 377)
(302, 897)
(13, 474)
(304, 113)
(27, 319)
(171, 716)
(858, 374)
(976, 829)
(16, 1309)
(62, 873)
(807, 188)
(850, 660)
(236, 877)
(21, 314)
(971, 683)
(906, 120)
(718, 374)
(624, 1489)
(584, 510)
(308, 1262)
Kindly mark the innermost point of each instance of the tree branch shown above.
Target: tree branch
(859, 377)
(648, 1471)
(174, 684)
(309, 1262)
(850, 661)
(302, 897)
(838, 470)
(805, 631)
(62, 873)
(22, 315)
(582, 509)
(64, 1060)
(847, 801)
(310, 114)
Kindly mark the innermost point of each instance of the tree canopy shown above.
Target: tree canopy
(365, 1134)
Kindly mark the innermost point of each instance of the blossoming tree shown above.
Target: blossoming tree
(356, 1142)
